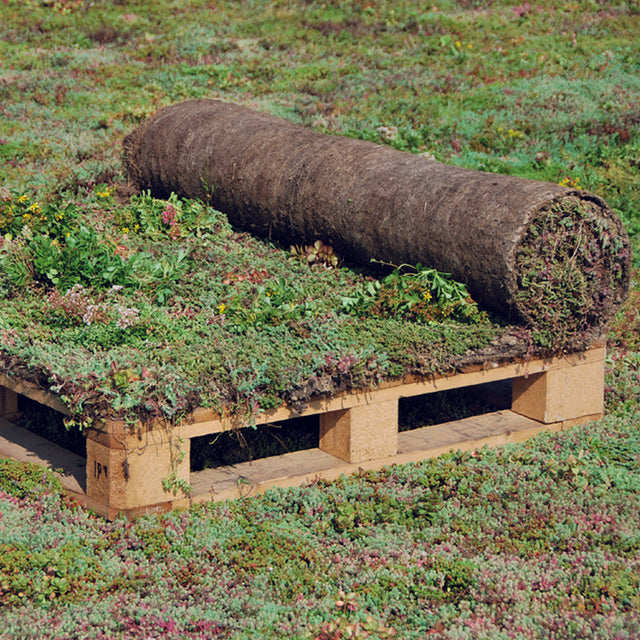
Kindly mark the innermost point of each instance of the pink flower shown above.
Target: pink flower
(169, 215)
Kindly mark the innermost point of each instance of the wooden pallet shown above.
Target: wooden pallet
(123, 472)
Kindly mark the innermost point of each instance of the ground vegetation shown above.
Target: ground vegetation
(530, 541)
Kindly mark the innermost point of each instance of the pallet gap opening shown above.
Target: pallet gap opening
(250, 444)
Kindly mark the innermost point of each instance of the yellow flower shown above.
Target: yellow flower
(22, 199)
(221, 308)
(35, 208)
(427, 295)
(458, 44)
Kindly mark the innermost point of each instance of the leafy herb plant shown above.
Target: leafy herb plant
(418, 294)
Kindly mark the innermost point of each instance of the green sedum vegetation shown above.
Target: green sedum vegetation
(132, 306)
(167, 308)
(524, 541)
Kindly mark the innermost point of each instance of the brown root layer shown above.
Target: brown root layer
(552, 257)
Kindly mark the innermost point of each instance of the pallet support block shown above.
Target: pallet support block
(8, 403)
(362, 433)
(129, 473)
(561, 394)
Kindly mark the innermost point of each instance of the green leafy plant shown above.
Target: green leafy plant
(23, 212)
(278, 302)
(83, 257)
(419, 294)
(173, 217)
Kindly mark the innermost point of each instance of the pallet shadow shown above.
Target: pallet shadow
(21, 444)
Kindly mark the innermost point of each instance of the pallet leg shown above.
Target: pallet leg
(362, 433)
(126, 475)
(562, 394)
(8, 403)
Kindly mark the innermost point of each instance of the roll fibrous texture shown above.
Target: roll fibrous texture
(548, 256)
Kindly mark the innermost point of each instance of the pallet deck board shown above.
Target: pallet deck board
(206, 421)
(30, 390)
(300, 467)
(290, 469)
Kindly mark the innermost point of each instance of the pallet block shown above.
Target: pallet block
(127, 471)
(560, 394)
(362, 433)
(132, 471)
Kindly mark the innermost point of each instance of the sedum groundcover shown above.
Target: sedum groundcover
(151, 309)
(534, 541)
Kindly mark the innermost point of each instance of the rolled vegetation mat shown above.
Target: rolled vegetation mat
(554, 258)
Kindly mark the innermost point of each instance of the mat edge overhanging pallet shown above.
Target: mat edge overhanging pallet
(124, 471)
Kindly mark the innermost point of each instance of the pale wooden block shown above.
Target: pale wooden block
(361, 433)
(123, 479)
(8, 403)
(565, 393)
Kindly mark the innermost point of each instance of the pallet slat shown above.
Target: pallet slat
(204, 421)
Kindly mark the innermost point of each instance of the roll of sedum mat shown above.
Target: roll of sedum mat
(555, 258)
